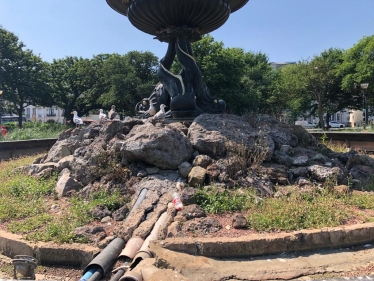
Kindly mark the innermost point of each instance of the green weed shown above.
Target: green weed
(33, 130)
(24, 206)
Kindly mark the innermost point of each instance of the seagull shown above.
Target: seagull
(76, 119)
(112, 113)
(102, 115)
(151, 110)
(161, 114)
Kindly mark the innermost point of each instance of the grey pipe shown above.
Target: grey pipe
(138, 201)
(105, 259)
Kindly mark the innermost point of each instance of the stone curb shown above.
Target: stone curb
(269, 244)
(77, 255)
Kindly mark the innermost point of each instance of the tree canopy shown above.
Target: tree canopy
(24, 76)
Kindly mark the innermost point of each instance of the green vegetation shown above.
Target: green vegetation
(25, 205)
(33, 130)
(297, 211)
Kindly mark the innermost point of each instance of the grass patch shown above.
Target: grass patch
(218, 201)
(25, 206)
(298, 211)
(33, 130)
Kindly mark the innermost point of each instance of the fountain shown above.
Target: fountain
(179, 23)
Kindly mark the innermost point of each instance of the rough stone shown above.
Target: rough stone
(65, 184)
(37, 168)
(192, 211)
(100, 212)
(188, 195)
(185, 169)
(239, 221)
(301, 160)
(121, 213)
(62, 149)
(215, 135)
(202, 225)
(174, 230)
(202, 160)
(163, 147)
(322, 174)
(197, 176)
(92, 233)
(363, 174)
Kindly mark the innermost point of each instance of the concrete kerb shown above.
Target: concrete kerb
(269, 244)
(77, 255)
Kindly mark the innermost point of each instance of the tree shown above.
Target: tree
(315, 85)
(357, 68)
(77, 84)
(238, 77)
(23, 75)
(128, 79)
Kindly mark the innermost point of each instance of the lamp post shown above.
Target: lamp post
(364, 87)
(1, 105)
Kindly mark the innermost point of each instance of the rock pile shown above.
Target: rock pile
(225, 150)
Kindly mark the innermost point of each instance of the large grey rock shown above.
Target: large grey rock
(280, 133)
(323, 174)
(277, 174)
(358, 159)
(362, 173)
(37, 168)
(62, 149)
(64, 163)
(164, 147)
(219, 135)
(65, 184)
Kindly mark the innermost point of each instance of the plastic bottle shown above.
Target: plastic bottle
(177, 201)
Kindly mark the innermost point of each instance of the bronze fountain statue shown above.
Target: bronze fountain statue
(179, 23)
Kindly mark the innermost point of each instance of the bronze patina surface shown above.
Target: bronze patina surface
(179, 23)
(153, 16)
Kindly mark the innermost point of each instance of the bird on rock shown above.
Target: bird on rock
(76, 119)
(161, 114)
(151, 110)
(112, 113)
(102, 115)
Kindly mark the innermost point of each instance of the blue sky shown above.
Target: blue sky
(285, 30)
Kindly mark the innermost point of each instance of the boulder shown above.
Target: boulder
(217, 135)
(34, 169)
(323, 174)
(65, 184)
(162, 146)
(61, 149)
(362, 173)
(197, 176)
